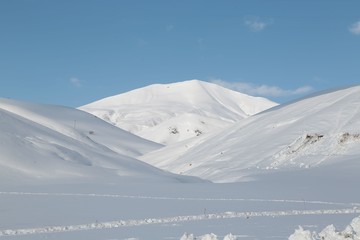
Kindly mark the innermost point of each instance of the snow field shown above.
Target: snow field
(131, 223)
(155, 212)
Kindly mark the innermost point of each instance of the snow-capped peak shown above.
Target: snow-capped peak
(167, 113)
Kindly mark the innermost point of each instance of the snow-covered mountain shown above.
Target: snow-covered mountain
(168, 113)
(51, 143)
(65, 174)
(321, 130)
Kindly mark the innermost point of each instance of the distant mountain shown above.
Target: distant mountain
(57, 144)
(319, 132)
(169, 113)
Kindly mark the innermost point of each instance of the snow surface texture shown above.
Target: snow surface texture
(210, 236)
(118, 211)
(321, 130)
(351, 232)
(176, 219)
(44, 142)
(169, 113)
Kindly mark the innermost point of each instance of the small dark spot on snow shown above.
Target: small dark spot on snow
(173, 130)
(198, 132)
(345, 137)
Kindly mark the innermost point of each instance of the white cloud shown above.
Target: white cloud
(263, 90)
(76, 82)
(355, 28)
(256, 24)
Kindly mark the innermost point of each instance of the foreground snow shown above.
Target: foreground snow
(172, 220)
(351, 232)
(210, 236)
(268, 208)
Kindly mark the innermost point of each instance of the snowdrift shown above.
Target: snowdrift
(210, 236)
(351, 232)
(169, 113)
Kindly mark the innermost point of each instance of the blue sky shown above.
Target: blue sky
(72, 52)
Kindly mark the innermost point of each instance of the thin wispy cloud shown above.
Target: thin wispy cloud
(355, 28)
(141, 42)
(263, 90)
(200, 43)
(255, 24)
(169, 27)
(75, 82)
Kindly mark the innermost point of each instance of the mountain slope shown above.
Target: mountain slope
(168, 113)
(53, 143)
(317, 131)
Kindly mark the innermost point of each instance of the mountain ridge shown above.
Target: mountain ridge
(312, 132)
(163, 108)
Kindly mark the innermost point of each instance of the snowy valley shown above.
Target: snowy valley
(253, 170)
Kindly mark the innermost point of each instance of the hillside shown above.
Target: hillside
(169, 113)
(65, 174)
(319, 132)
(59, 144)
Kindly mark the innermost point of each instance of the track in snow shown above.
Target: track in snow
(176, 198)
(148, 221)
